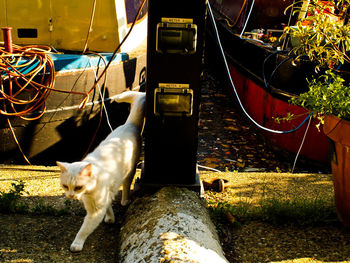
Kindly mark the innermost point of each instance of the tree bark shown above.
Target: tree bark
(172, 225)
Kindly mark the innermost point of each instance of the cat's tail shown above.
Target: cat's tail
(137, 111)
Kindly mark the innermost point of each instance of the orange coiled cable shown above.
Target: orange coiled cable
(27, 79)
(23, 93)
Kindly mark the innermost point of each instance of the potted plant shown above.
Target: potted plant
(322, 34)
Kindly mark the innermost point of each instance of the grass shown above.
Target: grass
(279, 199)
(13, 202)
(300, 212)
(301, 199)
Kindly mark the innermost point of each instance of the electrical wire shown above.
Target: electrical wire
(246, 22)
(267, 84)
(104, 72)
(208, 168)
(234, 88)
(103, 105)
(24, 84)
(27, 80)
(90, 26)
(238, 16)
(35, 59)
(83, 103)
(245, 25)
(301, 144)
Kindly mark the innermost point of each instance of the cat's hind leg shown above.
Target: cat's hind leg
(126, 189)
(109, 218)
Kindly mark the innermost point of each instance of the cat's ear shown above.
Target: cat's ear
(87, 170)
(62, 166)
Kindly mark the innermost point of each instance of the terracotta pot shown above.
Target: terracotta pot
(338, 130)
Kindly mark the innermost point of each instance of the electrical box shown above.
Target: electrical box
(173, 99)
(176, 35)
(174, 66)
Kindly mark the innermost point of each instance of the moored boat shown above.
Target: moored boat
(90, 58)
(264, 74)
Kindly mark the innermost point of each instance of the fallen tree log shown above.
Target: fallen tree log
(172, 225)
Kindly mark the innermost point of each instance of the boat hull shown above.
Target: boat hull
(248, 64)
(264, 107)
(64, 132)
(70, 25)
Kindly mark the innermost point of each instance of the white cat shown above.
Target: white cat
(96, 179)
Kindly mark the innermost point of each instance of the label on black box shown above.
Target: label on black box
(177, 20)
(174, 85)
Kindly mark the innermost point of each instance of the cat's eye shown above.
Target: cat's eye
(78, 188)
(65, 186)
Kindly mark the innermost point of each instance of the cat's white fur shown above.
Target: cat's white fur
(96, 179)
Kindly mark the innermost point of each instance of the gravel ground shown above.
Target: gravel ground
(259, 242)
(40, 237)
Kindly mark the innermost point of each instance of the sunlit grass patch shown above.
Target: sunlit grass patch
(301, 199)
(32, 189)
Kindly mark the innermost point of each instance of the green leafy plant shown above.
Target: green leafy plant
(9, 202)
(327, 95)
(323, 37)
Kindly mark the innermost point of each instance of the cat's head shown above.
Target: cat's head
(76, 178)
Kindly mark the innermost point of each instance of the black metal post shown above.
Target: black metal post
(174, 66)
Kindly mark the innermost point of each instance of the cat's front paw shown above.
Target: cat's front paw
(76, 246)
